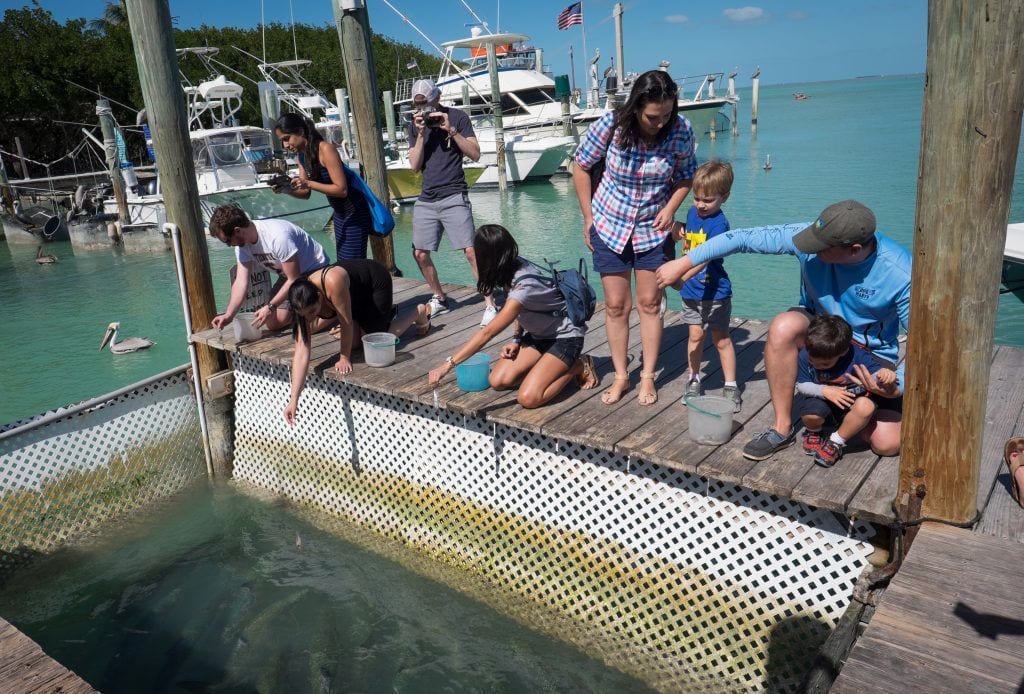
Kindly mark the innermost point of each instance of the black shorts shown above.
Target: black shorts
(568, 349)
(811, 405)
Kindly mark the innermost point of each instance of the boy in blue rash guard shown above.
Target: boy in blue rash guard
(707, 296)
(847, 269)
(829, 385)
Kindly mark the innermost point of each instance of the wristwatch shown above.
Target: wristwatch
(451, 361)
(272, 306)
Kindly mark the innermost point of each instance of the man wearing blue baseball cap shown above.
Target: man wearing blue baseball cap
(847, 269)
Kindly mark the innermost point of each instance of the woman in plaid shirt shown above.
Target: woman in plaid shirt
(647, 151)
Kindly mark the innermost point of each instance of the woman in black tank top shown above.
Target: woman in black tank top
(355, 293)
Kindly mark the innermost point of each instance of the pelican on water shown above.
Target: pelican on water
(130, 344)
(44, 259)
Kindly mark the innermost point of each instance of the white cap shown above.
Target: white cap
(426, 89)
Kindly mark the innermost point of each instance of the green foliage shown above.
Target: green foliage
(42, 59)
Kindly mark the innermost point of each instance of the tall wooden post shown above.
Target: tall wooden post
(114, 166)
(6, 194)
(970, 131)
(152, 37)
(499, 126)
(755, 82)
(353, 24)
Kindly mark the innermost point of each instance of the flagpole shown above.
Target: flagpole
(583, 28)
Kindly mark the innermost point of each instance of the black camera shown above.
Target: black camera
(433, 121)
(279, 181)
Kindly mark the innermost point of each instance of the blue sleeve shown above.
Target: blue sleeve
(465, 125)
(768, 240)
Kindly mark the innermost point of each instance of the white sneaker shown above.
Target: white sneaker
(438, 305)
(489, 313)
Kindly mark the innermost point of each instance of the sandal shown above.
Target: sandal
(422, 322)
(587, 377)
(647, 398)
(1013, 456)
(609, 397)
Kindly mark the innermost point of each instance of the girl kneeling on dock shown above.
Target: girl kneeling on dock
(546, 348)
(356, 294)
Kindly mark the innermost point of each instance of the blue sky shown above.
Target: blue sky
(793, 41)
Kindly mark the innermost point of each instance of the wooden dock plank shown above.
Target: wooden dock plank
(1004, 418)
(951, 620)
(25, 668)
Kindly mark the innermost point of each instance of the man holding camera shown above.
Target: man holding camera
(439, 137)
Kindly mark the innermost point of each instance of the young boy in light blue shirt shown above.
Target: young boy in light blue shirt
(707, 296)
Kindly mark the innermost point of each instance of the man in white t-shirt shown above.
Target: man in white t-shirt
(275, 244)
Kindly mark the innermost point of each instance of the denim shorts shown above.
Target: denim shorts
(809, 404)
(607, 261)
(568, 349)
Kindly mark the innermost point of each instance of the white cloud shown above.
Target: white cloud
(745, 14)
(677, 19)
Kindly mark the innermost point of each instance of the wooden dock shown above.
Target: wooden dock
(25, 668)
(861, 486)
(952, 620)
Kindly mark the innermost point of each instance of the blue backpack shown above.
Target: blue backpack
(383, 220)
(574, 286)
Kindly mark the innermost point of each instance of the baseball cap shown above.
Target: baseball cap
(841, 224)
(426, 89)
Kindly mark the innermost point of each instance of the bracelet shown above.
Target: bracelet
(517, 339)
(272, 306)
(450, 361)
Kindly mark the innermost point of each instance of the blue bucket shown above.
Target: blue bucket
(473, 373)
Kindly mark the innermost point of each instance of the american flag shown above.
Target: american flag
(570, 16)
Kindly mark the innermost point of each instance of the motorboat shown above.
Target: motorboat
(233, 163)
(528, 98)
(1013, 261)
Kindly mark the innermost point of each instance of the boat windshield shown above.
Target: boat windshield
(520, 58)
(215, 151)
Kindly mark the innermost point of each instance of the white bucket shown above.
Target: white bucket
(244, 329)
(379, 349)
(710, 419)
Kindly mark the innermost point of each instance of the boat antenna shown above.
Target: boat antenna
(476, 17)
(295, 46)
(102, 96)
(263, 32)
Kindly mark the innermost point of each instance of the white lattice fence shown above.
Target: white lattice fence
(66, 471)
(688, 584)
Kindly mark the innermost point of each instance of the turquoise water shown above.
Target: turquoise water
(214, 593)
(854, 138)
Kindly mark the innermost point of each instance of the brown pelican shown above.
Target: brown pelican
(44, 259)
(131, 344)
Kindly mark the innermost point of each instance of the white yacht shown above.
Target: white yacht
(232, 162)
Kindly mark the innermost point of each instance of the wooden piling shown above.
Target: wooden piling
(353, 24)
(389, 118)
(341, 98)
(972, 116)
(6, 194)
(152, 38)
(755, 83)
(499, 129)
(109, 128)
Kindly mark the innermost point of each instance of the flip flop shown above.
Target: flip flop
(647, 399)
(1013, 456)
(587, 377)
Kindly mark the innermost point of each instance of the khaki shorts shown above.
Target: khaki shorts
(453, 214)
(707, 314)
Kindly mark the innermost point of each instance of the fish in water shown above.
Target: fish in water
(44, 259)
(129, 344)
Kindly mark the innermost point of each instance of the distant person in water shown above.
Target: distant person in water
(847, 269)
(546, 351)
(320, 170)
(274, 244)
(358, 295)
